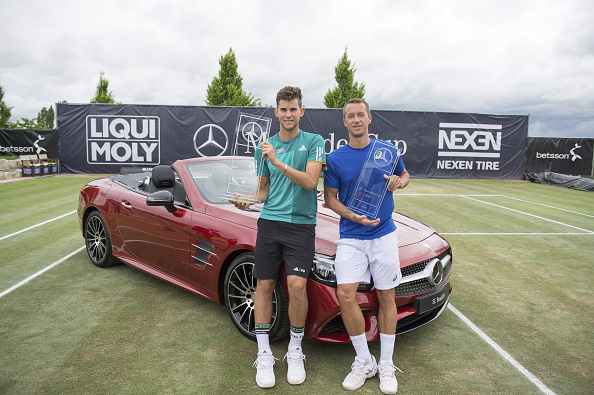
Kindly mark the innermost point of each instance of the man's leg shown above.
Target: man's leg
(262, 316)
(387, 318)
(263, 311)
(353, 319)
(297, 300)
(297, 303)
(297, 315)
(364, 366)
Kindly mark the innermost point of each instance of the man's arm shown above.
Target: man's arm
(331, 198)
(307, 179)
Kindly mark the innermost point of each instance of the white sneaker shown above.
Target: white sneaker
(388, 382)
(265, 369)
(296, 370)
(359, 373)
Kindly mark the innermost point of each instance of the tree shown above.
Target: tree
(45, 118)
(102, 93)
(227, 89)
(26, 123)
(5, 110)
(346, 88)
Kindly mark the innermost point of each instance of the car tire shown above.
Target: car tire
(240, 292)
(97, 241)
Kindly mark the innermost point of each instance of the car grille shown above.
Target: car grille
(422, 285)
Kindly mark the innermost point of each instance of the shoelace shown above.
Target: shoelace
(294, 357)
(388, 370)
(359, 367)
(264, 362)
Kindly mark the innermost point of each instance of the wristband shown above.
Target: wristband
(285, 172)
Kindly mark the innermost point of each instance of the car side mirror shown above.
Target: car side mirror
(161, 198)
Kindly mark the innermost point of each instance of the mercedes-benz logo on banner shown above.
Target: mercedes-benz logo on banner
(210, 140)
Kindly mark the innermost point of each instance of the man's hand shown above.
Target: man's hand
(396, 182)
(268, 152)
(240, 204)
(362, 219)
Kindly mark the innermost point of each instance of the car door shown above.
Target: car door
(154, 236)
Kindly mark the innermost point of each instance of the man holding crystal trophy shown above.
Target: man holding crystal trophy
(288, 166)
(359, 180)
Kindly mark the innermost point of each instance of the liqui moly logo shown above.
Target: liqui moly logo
(123, 139)
(469, 140)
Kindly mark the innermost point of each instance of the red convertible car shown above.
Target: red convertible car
(173, 223)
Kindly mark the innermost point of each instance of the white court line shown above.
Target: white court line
(521, 212)
(546, 205)
(40, 272)
(35, 226)
(541, 386)
(516, 234)
(439, 194)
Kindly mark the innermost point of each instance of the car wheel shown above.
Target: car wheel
(240, 293)
(97, 241)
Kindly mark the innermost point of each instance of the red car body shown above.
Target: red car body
(204, 245)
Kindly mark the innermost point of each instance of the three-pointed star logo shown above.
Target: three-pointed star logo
(383, 157)
(216, 140)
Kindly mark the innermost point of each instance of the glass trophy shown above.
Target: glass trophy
(243, 180)
(371, 186)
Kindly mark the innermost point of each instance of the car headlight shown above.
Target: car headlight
(323, 270)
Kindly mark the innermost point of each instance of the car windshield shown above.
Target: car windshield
(217, 180)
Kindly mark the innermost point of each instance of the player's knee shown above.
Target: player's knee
(345, 295)
(386, 296)
(298, 288)
(265, 287)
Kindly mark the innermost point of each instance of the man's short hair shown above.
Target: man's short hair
(289, 93)
(355, 100)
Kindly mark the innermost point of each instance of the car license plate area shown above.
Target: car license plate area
(432, 300)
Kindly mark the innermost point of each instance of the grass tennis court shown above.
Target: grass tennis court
(523, 274)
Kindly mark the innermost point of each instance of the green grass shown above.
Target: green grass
(80, 329)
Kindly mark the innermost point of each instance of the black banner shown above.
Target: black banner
(101, 138)
(29, 142)
(572, 156)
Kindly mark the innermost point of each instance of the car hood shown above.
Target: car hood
(409, 231)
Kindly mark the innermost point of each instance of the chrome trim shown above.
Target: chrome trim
(426, 273)
(200, 260)
(205, 250)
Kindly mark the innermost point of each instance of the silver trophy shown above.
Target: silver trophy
(372, 185)
(243, 183)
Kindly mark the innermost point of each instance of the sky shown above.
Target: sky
(505, 57)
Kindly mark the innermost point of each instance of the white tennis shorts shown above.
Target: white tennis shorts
(359, 260)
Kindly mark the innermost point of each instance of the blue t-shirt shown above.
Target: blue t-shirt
(342, 172)
(287, 201)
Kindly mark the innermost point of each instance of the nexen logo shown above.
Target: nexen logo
(455, 139)
(123, 139)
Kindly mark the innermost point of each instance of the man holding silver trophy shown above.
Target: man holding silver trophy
(288, 165)
(359, 180)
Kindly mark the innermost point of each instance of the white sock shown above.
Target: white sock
(296, 339)
(361, 347)
(263, 338)
(387, 347)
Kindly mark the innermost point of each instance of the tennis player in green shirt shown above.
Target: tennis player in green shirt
(289, 165)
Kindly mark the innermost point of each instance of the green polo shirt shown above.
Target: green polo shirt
(288, 201)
